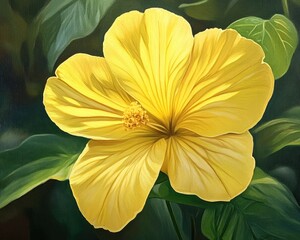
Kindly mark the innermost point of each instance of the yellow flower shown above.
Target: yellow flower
(160, 100)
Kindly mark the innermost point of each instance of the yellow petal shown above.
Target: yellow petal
(227, 86)
(85, 100)
(214, 169)
(111, 180)
(149, 54)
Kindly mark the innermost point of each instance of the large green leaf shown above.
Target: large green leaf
(276, 134)
(61, 22)
(266, 210)
(277, 36)
(205, 9)
(36, 160)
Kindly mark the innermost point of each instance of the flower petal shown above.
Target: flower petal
(85, 100)
(227, 86)
(111, 180)
(214, 169)
(149, 54)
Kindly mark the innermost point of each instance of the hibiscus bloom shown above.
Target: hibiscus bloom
(164, 100)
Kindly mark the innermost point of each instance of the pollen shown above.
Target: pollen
(134, 116)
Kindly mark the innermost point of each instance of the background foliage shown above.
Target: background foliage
(37, 35)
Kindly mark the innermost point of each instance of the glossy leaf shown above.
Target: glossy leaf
(61, 22)
(205, 9)
(276, 134)
(266, 210)
(36, 160)
(277, 36)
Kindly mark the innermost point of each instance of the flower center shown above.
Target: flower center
(134, 116)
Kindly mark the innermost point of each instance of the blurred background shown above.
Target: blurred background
(28, 58)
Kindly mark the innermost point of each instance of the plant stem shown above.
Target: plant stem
(173, 220)
(285, 8)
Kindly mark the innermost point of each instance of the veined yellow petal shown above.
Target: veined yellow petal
(149, 54)
(214, 169)
(85, 100)
(111, 180)
(227, 86)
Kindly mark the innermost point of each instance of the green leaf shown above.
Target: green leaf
(61, 22)
(36, 160)
(278, 133)
(278, 37)
(205, 9)
(163, 190)
(266, 210)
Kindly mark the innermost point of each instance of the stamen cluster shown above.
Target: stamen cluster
(134, 116)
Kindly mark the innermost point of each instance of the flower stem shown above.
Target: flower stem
(174, 220)
(285, 8)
